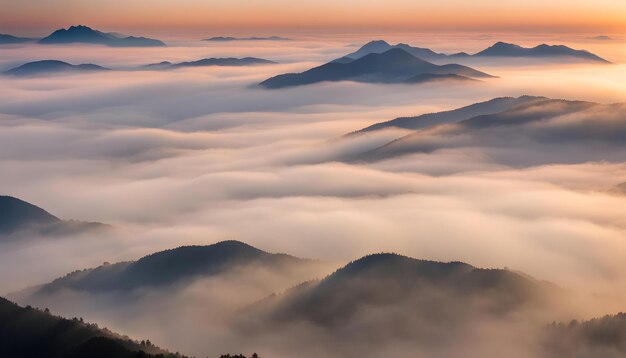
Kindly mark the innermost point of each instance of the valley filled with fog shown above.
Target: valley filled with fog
(200, 155)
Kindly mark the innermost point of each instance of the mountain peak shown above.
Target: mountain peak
(16, 214)
(80, 27)
(503, 49)
(377, 43)
(394, 65)
(51, 66)
(85, 34)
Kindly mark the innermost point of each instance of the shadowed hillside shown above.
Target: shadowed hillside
(17, 215)
(51, 67)
(560, 131)
(179, 265)
(425, 289)
(599, 337)
(456, 115)
(31, 333)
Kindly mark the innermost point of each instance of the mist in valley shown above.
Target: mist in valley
(197, 156)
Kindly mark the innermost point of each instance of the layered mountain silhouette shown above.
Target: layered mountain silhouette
(84, 34)
(431, 290)
(32, 333)
(179, 265)
(17, 215)
(229, 61)
(499, 49)
(393, 66)
(51, 67)
(380, 46)
(430, 119)
(253, 38)
(10, 39)
(536, 120)
(503, 49)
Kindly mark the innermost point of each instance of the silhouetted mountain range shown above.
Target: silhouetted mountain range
(502, 49)
(428, 289)
(51, 67)
(10, 39)
(499, 49)
(393, 66)
(230, 61)
(179, 265)
(31, 333)
(529, 120)
(456, 115)
(380, 46)
(17, 215)
(84, 34)
(254, 38)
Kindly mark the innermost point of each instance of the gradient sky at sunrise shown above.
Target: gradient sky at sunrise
(31, 16)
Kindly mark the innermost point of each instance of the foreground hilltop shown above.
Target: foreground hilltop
(32, 333)
(446, 292)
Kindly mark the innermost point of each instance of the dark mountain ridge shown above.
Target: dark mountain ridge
(51, 67)
(558, 125)
(393, 66)
(380, 46)
(84, 34)
(17, 215)
(499, 49)
(10, 39)
(228, 61)
(173, 266)
(422, 287)
(502, 49)
(31, 333)
(456, 115)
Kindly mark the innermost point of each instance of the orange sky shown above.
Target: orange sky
(599, 16)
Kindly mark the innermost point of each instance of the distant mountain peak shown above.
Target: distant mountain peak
(503, 49)
(377, 44)
(498, 49)
(51, 67)
(394, 65)
(85, 34)
(16, 213)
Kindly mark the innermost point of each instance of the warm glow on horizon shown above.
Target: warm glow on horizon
(323, 16)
